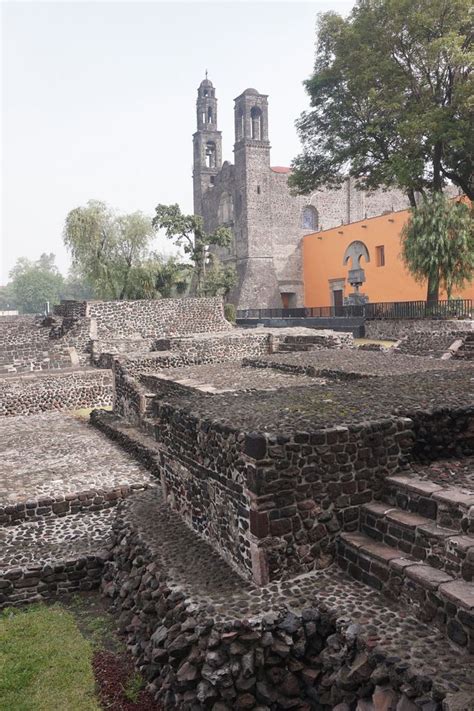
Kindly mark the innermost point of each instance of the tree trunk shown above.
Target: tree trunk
(432, 295)
(411, 197)
(437, 180)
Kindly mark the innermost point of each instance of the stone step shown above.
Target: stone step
(58, 505)
(432, 594)
(451, 507)
(295, 347)
(40, 560)
(420, 537)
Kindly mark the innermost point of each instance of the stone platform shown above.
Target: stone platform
(59, 483)
(202, 634)
(213, 378)
(40, 560)
(354, 363)
(337, 401)
(54, 463)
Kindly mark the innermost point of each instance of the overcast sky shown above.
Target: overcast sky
(98, 101)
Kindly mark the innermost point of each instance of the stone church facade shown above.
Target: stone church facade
(253, 199)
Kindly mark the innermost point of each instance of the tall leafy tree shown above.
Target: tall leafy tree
(438, 244)
(391, 98)
(172, 278)
(110, 251)
(76, 287)
(7, 298)
(187, 231)
(35, 283)
(220, 279)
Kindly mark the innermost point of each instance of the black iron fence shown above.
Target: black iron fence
(454, 308)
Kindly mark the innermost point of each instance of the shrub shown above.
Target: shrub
(230, 312)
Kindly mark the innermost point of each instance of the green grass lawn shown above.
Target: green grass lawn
(45, 662)
(364, 341)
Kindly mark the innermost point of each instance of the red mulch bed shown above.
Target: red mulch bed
(112, 671)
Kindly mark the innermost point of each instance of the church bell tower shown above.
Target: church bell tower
(207, 143)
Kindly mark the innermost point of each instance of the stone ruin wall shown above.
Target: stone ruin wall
(157, 318)
(394, 329)
(25, 346)
(59, 390)
(194, 654)
(233, 489)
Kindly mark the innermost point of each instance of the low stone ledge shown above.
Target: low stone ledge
(304, 369)
(45, 559)
(39, 583)
(92, 500)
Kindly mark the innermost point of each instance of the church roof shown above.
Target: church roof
(207, 82)
(254, 92)
(280, 169)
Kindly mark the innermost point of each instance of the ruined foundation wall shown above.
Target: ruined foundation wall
(395, 329)
(272, 505)
(30, 394)
(161, 317)
(199, 650)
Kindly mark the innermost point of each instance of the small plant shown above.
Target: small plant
(133, 687)
(230, 312)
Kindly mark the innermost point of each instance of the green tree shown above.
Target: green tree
(110, 251)
(438, 244)
(188, 233)
(7, 298)
(391, 98)
(76, 287)
(220, 279)
(33, 284)
(172, 278)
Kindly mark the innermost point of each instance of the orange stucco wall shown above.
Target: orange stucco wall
(323, 253)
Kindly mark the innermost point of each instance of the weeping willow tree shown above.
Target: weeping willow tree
(438, 245)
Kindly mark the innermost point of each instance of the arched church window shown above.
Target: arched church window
(309, 218)
(209, 115)
(210, 154)
(256, 123)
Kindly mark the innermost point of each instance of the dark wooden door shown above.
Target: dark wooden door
(338, 302)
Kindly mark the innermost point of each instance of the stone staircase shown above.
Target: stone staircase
(466, 350)
(417, 546)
